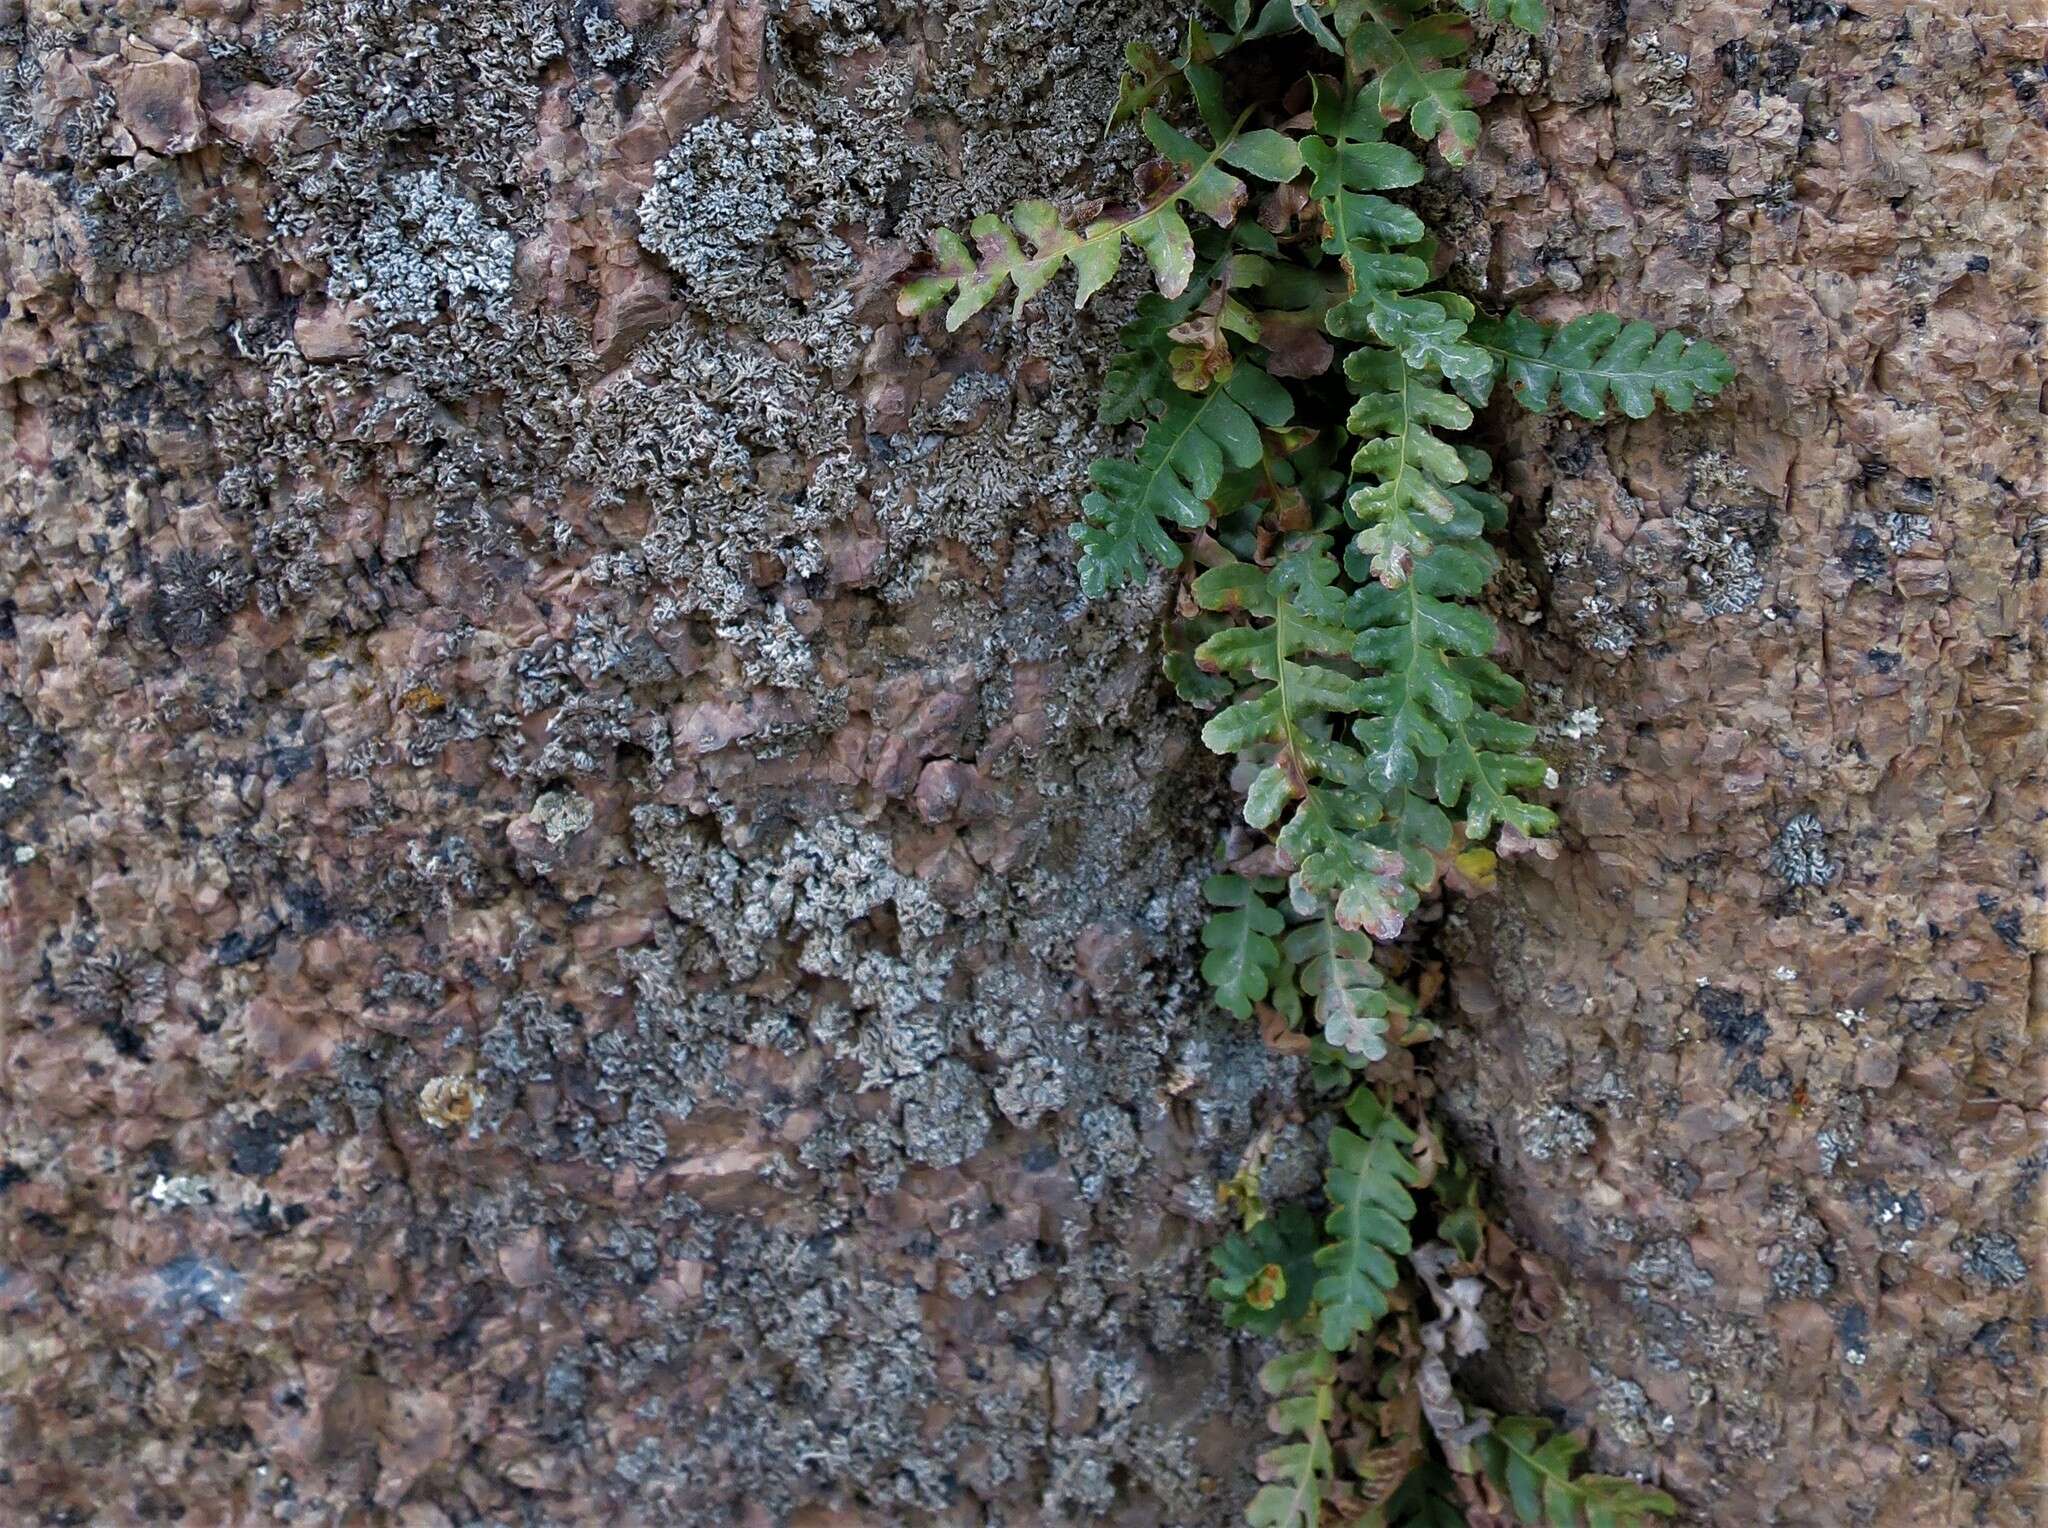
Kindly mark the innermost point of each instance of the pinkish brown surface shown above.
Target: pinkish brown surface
(590, 931)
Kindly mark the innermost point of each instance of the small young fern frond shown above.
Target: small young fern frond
(1200, 178)
(1299, 1475)
(1264, 1275)
(1532, 1465)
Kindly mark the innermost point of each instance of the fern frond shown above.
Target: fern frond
(1334, 968)
(1408, 468)
(1310, 786)
(1533, 1464)
(1407, 57)
(1191, 440)
(1297, 1475)
(1436, 702)
(1370, 1207)
(1264, 1275)
(1351, 163)
(973, 278)
(1597, 360)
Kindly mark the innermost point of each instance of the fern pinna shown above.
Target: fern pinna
(1306, 392)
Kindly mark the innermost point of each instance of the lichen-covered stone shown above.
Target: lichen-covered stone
(540, 738)
(590, 930)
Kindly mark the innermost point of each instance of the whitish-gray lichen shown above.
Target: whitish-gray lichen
(427, 246)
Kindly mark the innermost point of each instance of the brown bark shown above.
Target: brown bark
(591, 932)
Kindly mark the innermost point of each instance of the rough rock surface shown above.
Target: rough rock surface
(1757, 1062)
(592, 932)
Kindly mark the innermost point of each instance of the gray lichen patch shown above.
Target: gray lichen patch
(720, 194)
(1799, 854)
(423, 248)
(562, 815)
(1556, 1131)
(945, 1115)
(1996, 1260)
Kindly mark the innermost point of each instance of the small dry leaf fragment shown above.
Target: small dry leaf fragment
(450, 1101)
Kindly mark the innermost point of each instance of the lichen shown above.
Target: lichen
(719, 195)
(1799, 854)
(426, 247)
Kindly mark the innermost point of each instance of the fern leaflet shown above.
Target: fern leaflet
(1370, 1208)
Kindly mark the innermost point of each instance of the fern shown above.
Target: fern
(1335, 630)
(1264, 1276)
(1296, 1475)
(1407, 49)
(1156, 228)
(1370, 1208)
(1310, 784)
(1243, 956)
(1532, 1465)
(1597, 360)
(1191, 440)
(1334, 968)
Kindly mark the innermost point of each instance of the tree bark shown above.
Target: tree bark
(590, 930)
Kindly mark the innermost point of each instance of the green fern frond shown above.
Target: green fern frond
(1157, 230)
(1334, 968)
(1407, 56)
(1351, 163)
(1532, 1464)
(1310, 786)
(1370, 1207)
(1408, 469)
(1264, 1276)
(973, 278)
(1436, 701)
(1191, 440)
(1297, 1476)
(1243, 956)
(1597, 360)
